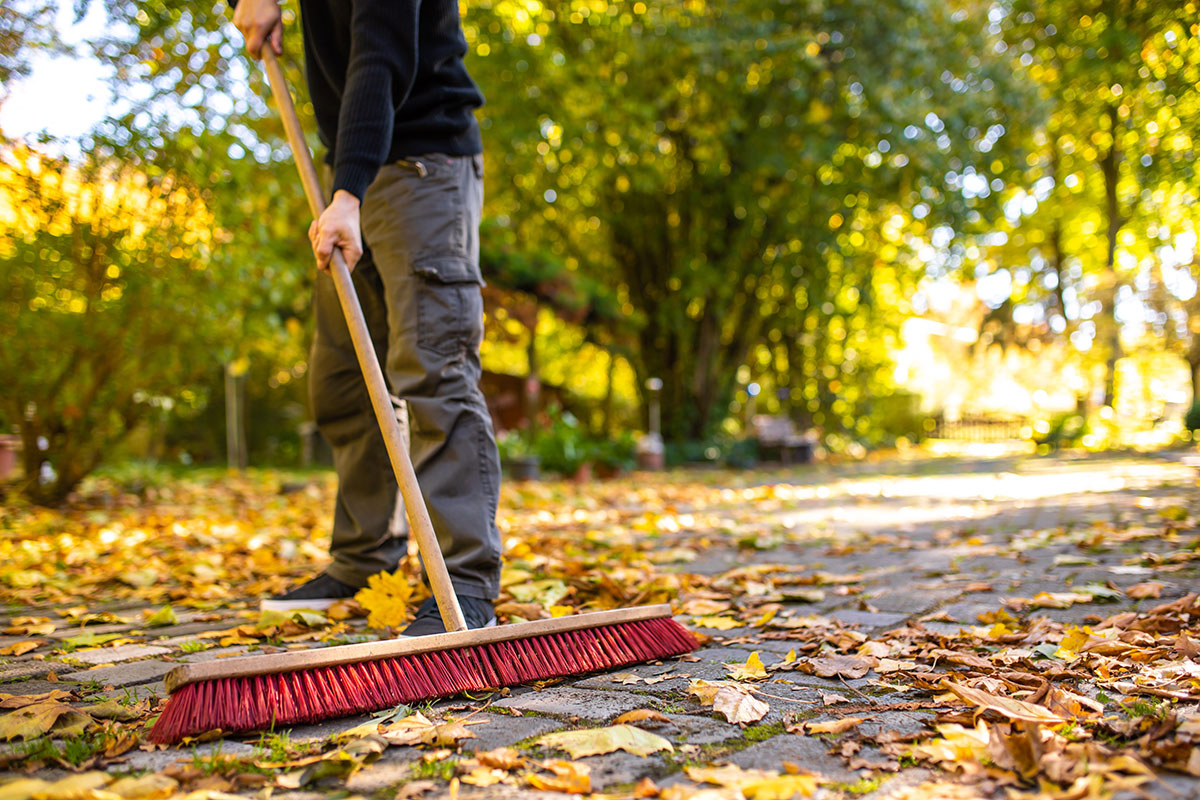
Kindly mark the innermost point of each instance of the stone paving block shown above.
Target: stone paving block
(75, 630)
(501, 730)
(913, 776)
(594, 705)
(115, 655)
(903, 722)
(144, 691)
(392, 768)
(696, 729)
(911, 602)
(188, 630)
(967, 611)
(33, 687)
(25, 669)
(868, 621)
(616, 769)
(214, 654)
(122, 674)
(808, 752)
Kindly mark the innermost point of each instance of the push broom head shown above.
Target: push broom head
(245, 694)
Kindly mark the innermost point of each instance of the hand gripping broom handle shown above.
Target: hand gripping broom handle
(418, 515)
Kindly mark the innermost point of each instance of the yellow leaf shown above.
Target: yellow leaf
(111, 709)
(148, 787)
(57, 719)
(790, 657)
(75, 787)
(752, 670)
(484, 776)
(720, 623)
(597, 741)
(21, 648)
(22, 788)
(640, 715)
(706, 691)
(834, 726)
(783, 787)
(164, 616)
(957, 745)
(568, 777)
(386, 598)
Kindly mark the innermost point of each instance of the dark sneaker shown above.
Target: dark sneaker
(478, 614)
(318, 594)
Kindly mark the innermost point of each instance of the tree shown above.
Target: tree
(107, 280)
(728, 170)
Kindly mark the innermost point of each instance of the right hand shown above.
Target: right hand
(260, 21)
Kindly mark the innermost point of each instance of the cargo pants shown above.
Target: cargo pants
(419, 285)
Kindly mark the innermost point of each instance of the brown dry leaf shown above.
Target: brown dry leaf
(415, 789)
(569, 777)
(29, 626)
(598, 741)
(506, 758)
(831, 666)
(641, 715)
(417, 729)
(111, 709)
(756, 784)
(1142, 591)
(484, 776)
(739, 707)
(22, 647)
(701, 607)
(646, 788)
(834, 726)
(22, 700)
(828, 699)
(957, 747)
(1005, 706)
(54, 718)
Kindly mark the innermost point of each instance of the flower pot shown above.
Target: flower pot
(583, 473)
(8, 455)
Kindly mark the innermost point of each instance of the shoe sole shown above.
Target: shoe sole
(312, 604)
(490, 624)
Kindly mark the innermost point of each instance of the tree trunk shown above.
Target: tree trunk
(1110, 167)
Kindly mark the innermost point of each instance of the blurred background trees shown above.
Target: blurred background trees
(852, 214)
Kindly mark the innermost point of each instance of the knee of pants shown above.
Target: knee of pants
(337, 394)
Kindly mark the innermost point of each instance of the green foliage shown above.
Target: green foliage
(97, 267)
(1191, 420)
(562, 445)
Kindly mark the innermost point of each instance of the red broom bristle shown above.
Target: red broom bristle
(245, 704)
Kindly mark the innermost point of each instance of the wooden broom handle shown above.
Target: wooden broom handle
(385, 413)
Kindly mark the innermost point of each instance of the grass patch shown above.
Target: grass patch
(861, 786)
(429, 770)
(760, 733)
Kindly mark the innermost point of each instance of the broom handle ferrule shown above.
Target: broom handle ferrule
(385, 412)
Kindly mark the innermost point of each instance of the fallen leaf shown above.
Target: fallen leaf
(74, 787)
(641, 715)
(111, 709)
(739, 707)
(148, 787)
(54, 718)
(484, 776)
(831, 666)
(719, 623)
(505, 758)
(161, 618)
(569, 777)
(22, 700)
(22, 788)
(386, 599)
(752, 670)
(21, 648)
(1142, 591)
(597, 741)
(834, 726)
(1005, 706)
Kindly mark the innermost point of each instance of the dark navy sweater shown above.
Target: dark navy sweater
(387, 80)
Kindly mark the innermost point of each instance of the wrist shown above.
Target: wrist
(344, 198)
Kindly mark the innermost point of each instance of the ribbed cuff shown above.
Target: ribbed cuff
(354, 178)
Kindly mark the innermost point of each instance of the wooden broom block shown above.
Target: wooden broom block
(404, 646)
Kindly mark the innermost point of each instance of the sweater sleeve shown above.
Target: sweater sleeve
(382, 68)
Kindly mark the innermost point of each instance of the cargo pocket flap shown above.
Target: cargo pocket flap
(449, 270)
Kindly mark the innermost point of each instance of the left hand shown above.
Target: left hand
(338, 226)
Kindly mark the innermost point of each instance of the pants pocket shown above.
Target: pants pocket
(449, 306)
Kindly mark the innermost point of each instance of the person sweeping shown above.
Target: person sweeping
(394, 106)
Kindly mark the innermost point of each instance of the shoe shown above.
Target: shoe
(318, 594)
(477, 612)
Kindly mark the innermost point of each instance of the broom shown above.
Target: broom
(254, 692)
